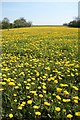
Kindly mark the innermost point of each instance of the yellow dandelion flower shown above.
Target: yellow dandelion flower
(3, 83)
(16, 87)
(28, 80)
(66, 100)
(44, 87)
(29, 102)
(55, 81)
(1, 89)
(14, 95)
(28, 84)
(66, 92)
(54, 94)
(37, 74)
(63, 85)
(46, 103)
(39, 87)
(36, 107)
(77, 113)
(38, 113)
(33, 92)
(47, 68)
(27, 87)
(58, 97)
(25, 82)
(44, 91)
(32, 83)
(19, 84)
(76, 97)
(72, 74)
(75, 88)
(44, 83)
(49, 79)
(28, 97)
(44, 77)
(11, 83)
(69, 116)
(24, 103)
(58, 89)
(64, 110)
(11, 115)
(40, 95)
(20, 107)
(76, 101)
(15, 100)
(57, 109)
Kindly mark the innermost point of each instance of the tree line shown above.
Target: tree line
(18, 23)
(75, 23)
(21, 22)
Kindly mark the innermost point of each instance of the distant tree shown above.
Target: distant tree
(5, 23)
(0, 25)
(78, 23)
(74, 23)
(65, 24)
(29, 24)
(17, 23)
(21, 23)
(11, 25)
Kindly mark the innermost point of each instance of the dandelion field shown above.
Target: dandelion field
(39, 72)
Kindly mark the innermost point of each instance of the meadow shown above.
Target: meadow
(39, 72)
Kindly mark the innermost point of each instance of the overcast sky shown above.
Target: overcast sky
(41, 13)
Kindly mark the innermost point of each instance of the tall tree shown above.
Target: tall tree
(5, 23)
(0, 25)
(17, 23)
(21, 23)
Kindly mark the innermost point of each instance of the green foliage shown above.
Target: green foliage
(0, 25)
(75, 23)
(5, 23)
(21, 23)
(18, 23)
